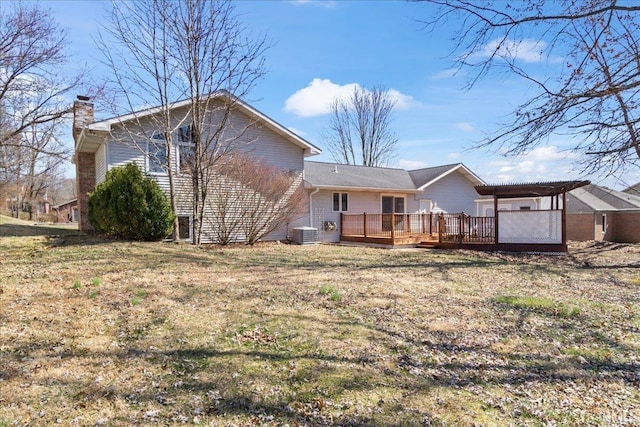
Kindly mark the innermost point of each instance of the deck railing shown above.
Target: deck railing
(388, 225)
(463, 228)
(458, 227)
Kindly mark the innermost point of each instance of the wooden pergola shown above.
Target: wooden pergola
(554, 190)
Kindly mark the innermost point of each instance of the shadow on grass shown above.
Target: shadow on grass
(34, 230)
(205, 381)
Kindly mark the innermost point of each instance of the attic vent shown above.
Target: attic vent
(304, 235)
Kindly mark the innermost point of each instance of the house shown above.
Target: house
(67, 211)
(634, 189)
(361, 196)
(600, 213)
(105, 144)
(345, 202)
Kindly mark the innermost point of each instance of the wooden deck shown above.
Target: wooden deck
(445, 231)
(388, 229)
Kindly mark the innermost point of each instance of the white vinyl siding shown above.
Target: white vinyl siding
(256, 140)
(451, 194)
(119, 154)
(101, 163)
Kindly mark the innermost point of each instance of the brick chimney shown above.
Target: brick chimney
(85, 161)
(82, 115)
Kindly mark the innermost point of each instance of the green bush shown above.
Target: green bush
(128, 205)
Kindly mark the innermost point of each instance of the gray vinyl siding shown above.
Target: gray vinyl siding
(323, 212)
(121, 153)
(451, 194)
(248, 137)
(266, 145)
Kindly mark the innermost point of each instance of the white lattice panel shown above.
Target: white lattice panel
(542, 227)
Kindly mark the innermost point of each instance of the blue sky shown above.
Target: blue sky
(322, 48)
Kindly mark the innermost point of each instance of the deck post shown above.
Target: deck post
(430, 223)
(440, 227)
(495, 219)
(460, 227)
(341, 215)
(364, 224)
(564, 219)
(408, 224)
(393, 228)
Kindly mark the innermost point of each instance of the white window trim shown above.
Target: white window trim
(340, 207)
(148, 161)
(395, 196)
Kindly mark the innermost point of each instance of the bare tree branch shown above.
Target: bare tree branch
(359, 130)
(594, 95)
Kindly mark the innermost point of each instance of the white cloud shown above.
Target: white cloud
(466, 127)
(527, 50)
(447, 74)
(403, 102)
(316, 98)
(544, 163)
(327, 4)
(411, 164)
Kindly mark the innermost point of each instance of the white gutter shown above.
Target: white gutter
(311, 206)
(369, 189)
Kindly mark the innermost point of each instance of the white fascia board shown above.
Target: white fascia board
(453, 169)
(365, 189)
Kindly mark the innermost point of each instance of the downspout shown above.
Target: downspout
(311, 206)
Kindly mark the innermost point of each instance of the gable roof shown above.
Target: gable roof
(309, 148)
(353, 177)
(634, 189)
(593, 198)
(422, 178)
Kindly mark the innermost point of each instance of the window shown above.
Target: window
(392, 204)
(525, 208)
(157, 154)
(604, 223)
(184, 224)
(186, 149)
(340, 202)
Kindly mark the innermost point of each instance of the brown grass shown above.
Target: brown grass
(97, 332)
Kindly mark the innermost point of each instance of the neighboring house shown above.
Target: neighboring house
(67, 212)
(634, 189)
(105, 144)
(599, 213)
(337, 189)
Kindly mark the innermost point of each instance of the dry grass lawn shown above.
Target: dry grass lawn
(96, 332)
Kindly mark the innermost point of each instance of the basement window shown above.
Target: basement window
(184, 223)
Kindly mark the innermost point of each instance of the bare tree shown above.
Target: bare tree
(594, 48)
(359, 130)
(33, 86)
(215, 53)
(34, 90)
(253, 199)
(192, 50)
(138, 49)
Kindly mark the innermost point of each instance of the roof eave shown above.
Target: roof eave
(367, 189)
(478, 180)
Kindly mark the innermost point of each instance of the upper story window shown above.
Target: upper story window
(157, 150)
(185, 149)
